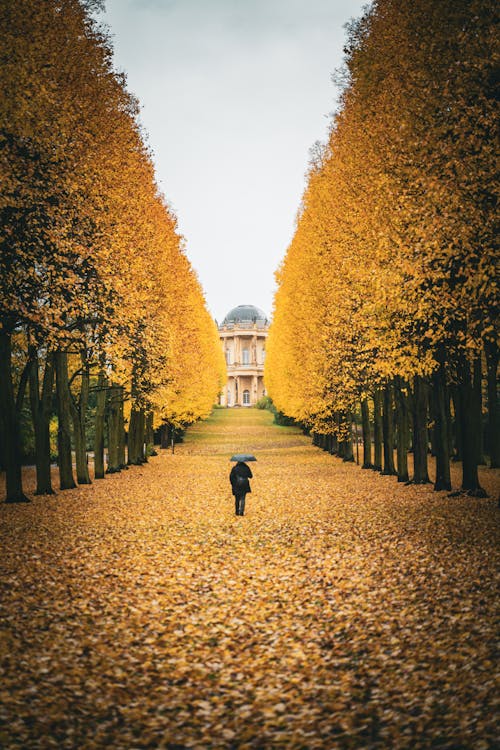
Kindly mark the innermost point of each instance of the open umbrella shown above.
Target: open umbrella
(243, 457)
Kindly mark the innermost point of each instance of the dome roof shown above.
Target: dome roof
(245, 313)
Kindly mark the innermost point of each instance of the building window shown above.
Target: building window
(263, 356)
(246, 357)
(246, 398)
(229, 357)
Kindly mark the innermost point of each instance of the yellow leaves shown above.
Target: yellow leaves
(340, 608)
(393, 250)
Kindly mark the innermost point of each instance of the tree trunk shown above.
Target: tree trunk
(132, 440)
(66, 479)
(136, 437)
(147, 445)
(142, 437)
(491, 350)
(115, 411)
(431, 418)
(100, 414)
(78, 412)
(420, 436)
(441, 438)
(470, 404)
(388, 432)
(402, 425)
(9, 424)
(377, 430)
(121, 430)
(164, 435)
(449, 425)
(334, 445)
(478, 386)
(150, 436)
(40, 413)
(337, 429)
(367, 437)
(348, 454)
(457, 423)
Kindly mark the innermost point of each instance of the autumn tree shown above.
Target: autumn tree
(394, 241)
(90, 253)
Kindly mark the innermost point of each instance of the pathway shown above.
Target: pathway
(342, 611)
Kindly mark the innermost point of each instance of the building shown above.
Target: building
(243, 334)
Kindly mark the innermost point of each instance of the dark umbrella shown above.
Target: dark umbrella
(243, 457)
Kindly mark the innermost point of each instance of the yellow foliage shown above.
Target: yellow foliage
(392, 265)
(342, 610)
(90, 257)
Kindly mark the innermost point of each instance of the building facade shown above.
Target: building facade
(243, 335)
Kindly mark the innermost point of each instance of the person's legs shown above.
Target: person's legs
(237, 504)
(242, 505)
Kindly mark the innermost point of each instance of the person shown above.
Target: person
(239, 476)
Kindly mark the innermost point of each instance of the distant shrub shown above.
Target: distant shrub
(264, 403)
(279, 417)
(282, 419)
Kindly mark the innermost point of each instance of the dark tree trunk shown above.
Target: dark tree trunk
(100, 415)
(78, 414)
(377, 430)
(338, 432)
(402, 434)
(441, 438)
(367, 437)
(341, 449)
(164, 443)
(121, 430)
(432, 418)
(136, 437)
(420, 436)
(388, 432)
(150, 436)
(66, 479)
(142, 437)
(334, 444)
(457, 422)
(40, 413)
(328, 446)
(491, 350)
(9, 424)
(470, 403)
(348, 454)
(478, 385)
(115, 411)
(449, 425)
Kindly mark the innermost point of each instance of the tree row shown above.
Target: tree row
(98, 301)
(387, 300)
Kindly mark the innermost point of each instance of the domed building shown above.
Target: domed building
(243, 334)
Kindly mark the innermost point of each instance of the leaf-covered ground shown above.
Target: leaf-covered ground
(342, 611)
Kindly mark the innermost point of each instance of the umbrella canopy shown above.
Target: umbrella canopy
(243, 457)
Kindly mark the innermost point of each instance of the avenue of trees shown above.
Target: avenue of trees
(98, 303)
(387, 301)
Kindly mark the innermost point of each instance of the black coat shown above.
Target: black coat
(240, 470)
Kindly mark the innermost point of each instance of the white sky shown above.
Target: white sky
(234, 93)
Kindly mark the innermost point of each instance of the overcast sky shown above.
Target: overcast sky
(233, 93)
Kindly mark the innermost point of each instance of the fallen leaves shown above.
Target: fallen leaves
(343, 611)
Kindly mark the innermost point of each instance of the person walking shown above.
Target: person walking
(239, 476)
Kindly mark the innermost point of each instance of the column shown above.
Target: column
(255, 393)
